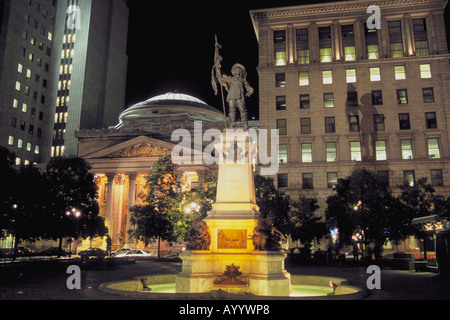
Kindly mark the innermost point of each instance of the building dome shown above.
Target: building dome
(172, 104)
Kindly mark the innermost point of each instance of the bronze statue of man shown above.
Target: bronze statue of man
(235, 86)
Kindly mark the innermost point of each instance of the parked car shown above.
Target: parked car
(92, 253)
(55, 251)
(24, 252)
(120, 251)
(136, 253)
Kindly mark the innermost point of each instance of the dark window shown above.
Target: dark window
(305, 124)
(307, 182)
(354, 123)
(431, 121)
(304, 101)
(352, 99)
(330, 125)
(378, 122)
(404, 121)
(282, 180)
(281, 103)
(383, 178)
(280, 80)
(436, 178)
(428, 95)
(377, 97)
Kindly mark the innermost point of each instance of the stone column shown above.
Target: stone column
(110, 202)
(131, 202)
(336, 39)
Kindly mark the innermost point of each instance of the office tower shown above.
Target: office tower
(26, 52)
(347, 95)
(90, 73)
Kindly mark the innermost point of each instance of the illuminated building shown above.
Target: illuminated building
(122, 156)
(346, 96)
(89, 82)
(27, 30)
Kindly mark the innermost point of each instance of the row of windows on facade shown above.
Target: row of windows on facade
(20, 145)
(381, 151)
(404, 122)
(383, 179)
(350, 75)
(372, 50)
(38, 8)
(353, 100)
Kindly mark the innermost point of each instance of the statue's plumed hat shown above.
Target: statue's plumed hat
(239, 66)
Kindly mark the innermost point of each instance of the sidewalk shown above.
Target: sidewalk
(395, 284)
(51, 284)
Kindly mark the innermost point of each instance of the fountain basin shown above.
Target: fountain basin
(302, 287)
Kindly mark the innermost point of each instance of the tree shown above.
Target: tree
(305, 224)
(7, 202)
(161, 212)
(273, 203)
(72, 188)
(361, 205)
(420, 201)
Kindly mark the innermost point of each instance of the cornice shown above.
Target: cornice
(337, 7)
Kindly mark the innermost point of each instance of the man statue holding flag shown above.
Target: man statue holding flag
(234, 85)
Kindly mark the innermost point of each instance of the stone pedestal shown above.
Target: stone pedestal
(231, 223)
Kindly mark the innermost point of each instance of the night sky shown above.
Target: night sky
(171, 46)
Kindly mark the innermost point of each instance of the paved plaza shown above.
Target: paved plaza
(50, 284)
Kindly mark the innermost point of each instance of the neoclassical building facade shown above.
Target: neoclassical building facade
(122, 156)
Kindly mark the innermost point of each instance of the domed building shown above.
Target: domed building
(122, 156)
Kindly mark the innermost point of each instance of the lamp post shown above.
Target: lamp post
(73, 213)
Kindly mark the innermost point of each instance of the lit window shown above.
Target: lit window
(406, 146)
(20, 144)
(425, 71)
(24, 107)
(331, 152)
(282, 153)
(375, 74)
(400, 73)
(380, 150)
(303, 56)
(408, 177)
(326, 55)
(328, 100)
(20, 68)
(303, 78)
(18, 85)
(50, 36)
(327, 77)
(355, 151)
(15, 103)
(11, 140)
(280, 58)
(332, 179)
(373, 52)
(402, 96)
(433, 149)
(18, 161)
(307, 152)
(350, 75)
(349, 53)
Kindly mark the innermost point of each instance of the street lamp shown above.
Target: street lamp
(77, 214)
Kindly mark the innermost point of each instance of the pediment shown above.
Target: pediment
(140, 147)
